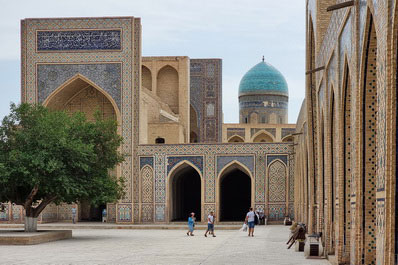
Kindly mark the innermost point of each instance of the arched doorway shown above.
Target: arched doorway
(79, 94)
(235, 193)
(185, 193)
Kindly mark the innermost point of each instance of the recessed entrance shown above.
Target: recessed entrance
(185, 193)
(235, 195)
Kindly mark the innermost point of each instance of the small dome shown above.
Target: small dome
(261, 79)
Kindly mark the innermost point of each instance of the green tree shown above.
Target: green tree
(52, 157)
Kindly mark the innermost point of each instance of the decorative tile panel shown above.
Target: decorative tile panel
(105, 75)
(124, 213)
(248, 161)
(146, 161)
(78, 40)
(196, 160)
(271, 158)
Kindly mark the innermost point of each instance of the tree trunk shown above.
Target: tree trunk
(30, 224)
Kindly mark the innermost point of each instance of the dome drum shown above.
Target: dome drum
(263, 95)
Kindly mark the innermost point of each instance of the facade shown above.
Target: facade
(345, 175)
(169, 112)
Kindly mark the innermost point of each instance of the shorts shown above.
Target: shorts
(250, 224)
(210, 227)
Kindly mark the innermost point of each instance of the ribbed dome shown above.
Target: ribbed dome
(263, 78)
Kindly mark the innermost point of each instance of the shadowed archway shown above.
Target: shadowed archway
(185, 193)
(235, 193)
(79, 94)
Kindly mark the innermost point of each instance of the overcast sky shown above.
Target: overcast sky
(238, 32)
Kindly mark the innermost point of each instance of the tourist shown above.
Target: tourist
(262, 218)
(74, 214)
(250, 221)
(191, 224)
(210, 224)
(104, 215)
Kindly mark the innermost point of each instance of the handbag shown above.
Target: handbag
(244, 227)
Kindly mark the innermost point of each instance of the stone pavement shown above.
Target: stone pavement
(161, 247)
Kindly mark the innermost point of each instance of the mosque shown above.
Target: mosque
(180, 156)
(335, 170)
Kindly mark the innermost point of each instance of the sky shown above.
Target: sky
(238, 32)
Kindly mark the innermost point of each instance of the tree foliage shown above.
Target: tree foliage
(51, 156)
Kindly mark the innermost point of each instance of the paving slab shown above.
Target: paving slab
(107, 246)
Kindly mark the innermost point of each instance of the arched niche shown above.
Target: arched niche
(236, 139)
(194, 135)
(80, 94)
(146, 78)
(288, 138)
(262, 137)
(168, 87)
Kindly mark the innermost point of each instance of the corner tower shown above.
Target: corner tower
(263, 96)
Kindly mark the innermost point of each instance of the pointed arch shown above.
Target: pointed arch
(347, 179)
(168, 87)
(277, 181)
(236, 139)
(71, 88)
(369, 105)
(288, 138)
(263, 136)
(146, 78)
(194, 124)
(184, 179)
(147, 184)
(234, 191)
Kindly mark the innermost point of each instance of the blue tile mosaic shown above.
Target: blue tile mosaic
(78, 40)
(146, 161)
(271, 158)
(196, 160)
(107, 76)
(248, 161)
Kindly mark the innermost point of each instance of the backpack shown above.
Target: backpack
(255, 219)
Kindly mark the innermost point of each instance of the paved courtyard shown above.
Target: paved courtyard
(104, 246)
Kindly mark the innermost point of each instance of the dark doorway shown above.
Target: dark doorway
(91, 213)
(185, 194)
(235, 195)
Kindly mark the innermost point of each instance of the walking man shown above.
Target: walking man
(250, 216)
(210, 224)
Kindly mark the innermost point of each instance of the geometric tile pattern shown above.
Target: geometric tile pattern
(147, 184)
(277, 182)
(167, 156)
(124, 212)
(222, 161)
(106, 76)
(276, 212)
(206, 97)
(271, 158)
(173, 160)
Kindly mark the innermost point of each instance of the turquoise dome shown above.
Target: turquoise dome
(261, 79)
